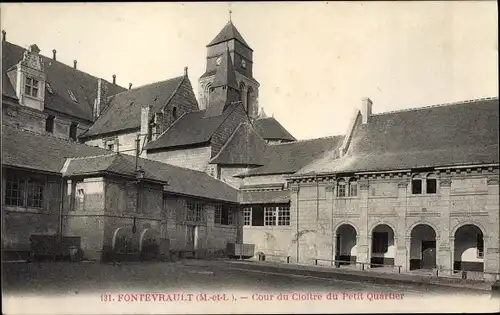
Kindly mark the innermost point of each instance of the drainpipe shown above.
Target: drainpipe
(298, 189)
(61, 208)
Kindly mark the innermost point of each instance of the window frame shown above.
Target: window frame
(247, 216)
(283, 215)
(51, 119)
(31, 84)
(224, 215)
(431, 177)
(30, 191)
(353, 187)
(341, 188)
(417, 178)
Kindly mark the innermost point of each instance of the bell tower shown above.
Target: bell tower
(230, 40)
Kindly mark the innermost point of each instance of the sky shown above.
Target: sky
(315, 61)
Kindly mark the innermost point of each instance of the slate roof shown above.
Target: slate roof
(26, 149)
(270, 129)
(61, 78)
(190, 129)
(124, 109)
(228, 32)
(288, 158)
(178, 180)
(263, 197)
(244, 147)
(30, 150)
(445, 135)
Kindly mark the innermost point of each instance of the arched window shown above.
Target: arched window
(242, 93)
(353, 187)
(341, 188)
(431, 184)
(416, 185)
(249, 101)
(174, 113)
(208, 90)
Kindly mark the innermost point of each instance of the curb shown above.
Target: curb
(353, 277)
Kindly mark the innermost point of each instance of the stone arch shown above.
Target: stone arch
(113, 241)
(383, 247)
(468, 222)
(249, 100)
(424, 222)
(383, 222)
(346, 244)
(124, 240)
(336, 227)
(468, 247)
(423, 254)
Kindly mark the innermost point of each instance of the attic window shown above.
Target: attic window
(72, 96)
(31, 87)
(49, 88)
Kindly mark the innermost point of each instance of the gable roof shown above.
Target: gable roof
(244, 147)
(30, 150)
(270, 129)
(444, 135)
(124, 109)
(62, 79)
(227, 33)
(178, 180)
(288, 158)
(190, 129)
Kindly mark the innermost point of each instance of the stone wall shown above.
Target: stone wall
(192, 158)
(383, 202)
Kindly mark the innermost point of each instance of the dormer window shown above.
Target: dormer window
(49, 88)
(31, 87)
(72, 96)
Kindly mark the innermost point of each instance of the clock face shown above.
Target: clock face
(218, 60)
(243, 64)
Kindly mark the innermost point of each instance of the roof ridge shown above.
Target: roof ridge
(438, 105)
(91, 156)
(305, 140)
(50, 135)
(66, 65)
(146, 85)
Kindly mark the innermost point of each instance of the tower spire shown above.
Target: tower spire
(230, 11)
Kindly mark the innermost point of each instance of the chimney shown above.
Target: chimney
(100, 101)
(144, 124)
(4, 34)
(366, 109)
(54, 53)
(130, 86)
(185, 71)
(74, 64)
(114, 79)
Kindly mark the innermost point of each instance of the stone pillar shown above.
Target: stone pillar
(492, 239)
(445, 242)
(294, 221)
(364, 244)
(403, 238)
(329, 192)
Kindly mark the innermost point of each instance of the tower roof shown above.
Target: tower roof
(225, 75)
(227, 33)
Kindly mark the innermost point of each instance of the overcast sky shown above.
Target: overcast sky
(315, 61)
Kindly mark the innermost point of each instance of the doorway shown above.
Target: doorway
(428, 255)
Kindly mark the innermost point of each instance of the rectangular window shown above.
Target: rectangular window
(380, 242)
(269, 216)
(49, 124)
(111, 147)
(431, 184)
(80, 200)
(31, 87)
(341, 190)
(353, 189)
(257, 216)
(223, 215)
(195, 212)
(284, 215)
(14, 192)
(35, 193)
(72, 131)
(247, 216)
(416, 186)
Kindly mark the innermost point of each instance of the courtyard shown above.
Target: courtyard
(206, 286)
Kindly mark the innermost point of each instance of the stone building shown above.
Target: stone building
(417, 188)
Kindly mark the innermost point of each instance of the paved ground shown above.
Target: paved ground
(82, 278)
